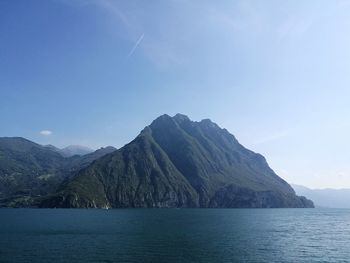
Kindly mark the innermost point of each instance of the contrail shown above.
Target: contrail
(136, 45)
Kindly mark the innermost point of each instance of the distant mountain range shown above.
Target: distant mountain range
(331, 198)
(176, 162)
(71, 150)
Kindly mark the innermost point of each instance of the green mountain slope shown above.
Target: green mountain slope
(29, 170)
(176, 162)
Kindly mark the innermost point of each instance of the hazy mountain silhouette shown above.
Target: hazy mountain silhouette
(332, 198)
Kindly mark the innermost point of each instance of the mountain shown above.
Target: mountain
(331, 198)
(79, 162)
(72, 150)
(29, 170)
(176, 162)
(52, 148)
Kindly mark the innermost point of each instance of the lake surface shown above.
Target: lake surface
(174, 235)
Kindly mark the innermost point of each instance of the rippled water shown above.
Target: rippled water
(175, 235)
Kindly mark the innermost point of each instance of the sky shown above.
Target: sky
(276, 74)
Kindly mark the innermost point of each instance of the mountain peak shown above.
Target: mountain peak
(177, 117)
(163, 117)
(75, 150)
(209, 123)
(181, 117)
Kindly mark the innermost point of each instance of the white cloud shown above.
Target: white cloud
(45, 132)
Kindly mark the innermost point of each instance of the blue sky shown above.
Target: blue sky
(276, 74)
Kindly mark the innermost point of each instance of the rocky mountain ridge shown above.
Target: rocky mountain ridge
(175, 162)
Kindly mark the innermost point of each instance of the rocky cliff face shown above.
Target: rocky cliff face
(176, 162)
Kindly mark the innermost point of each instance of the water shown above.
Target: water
(175, 235)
